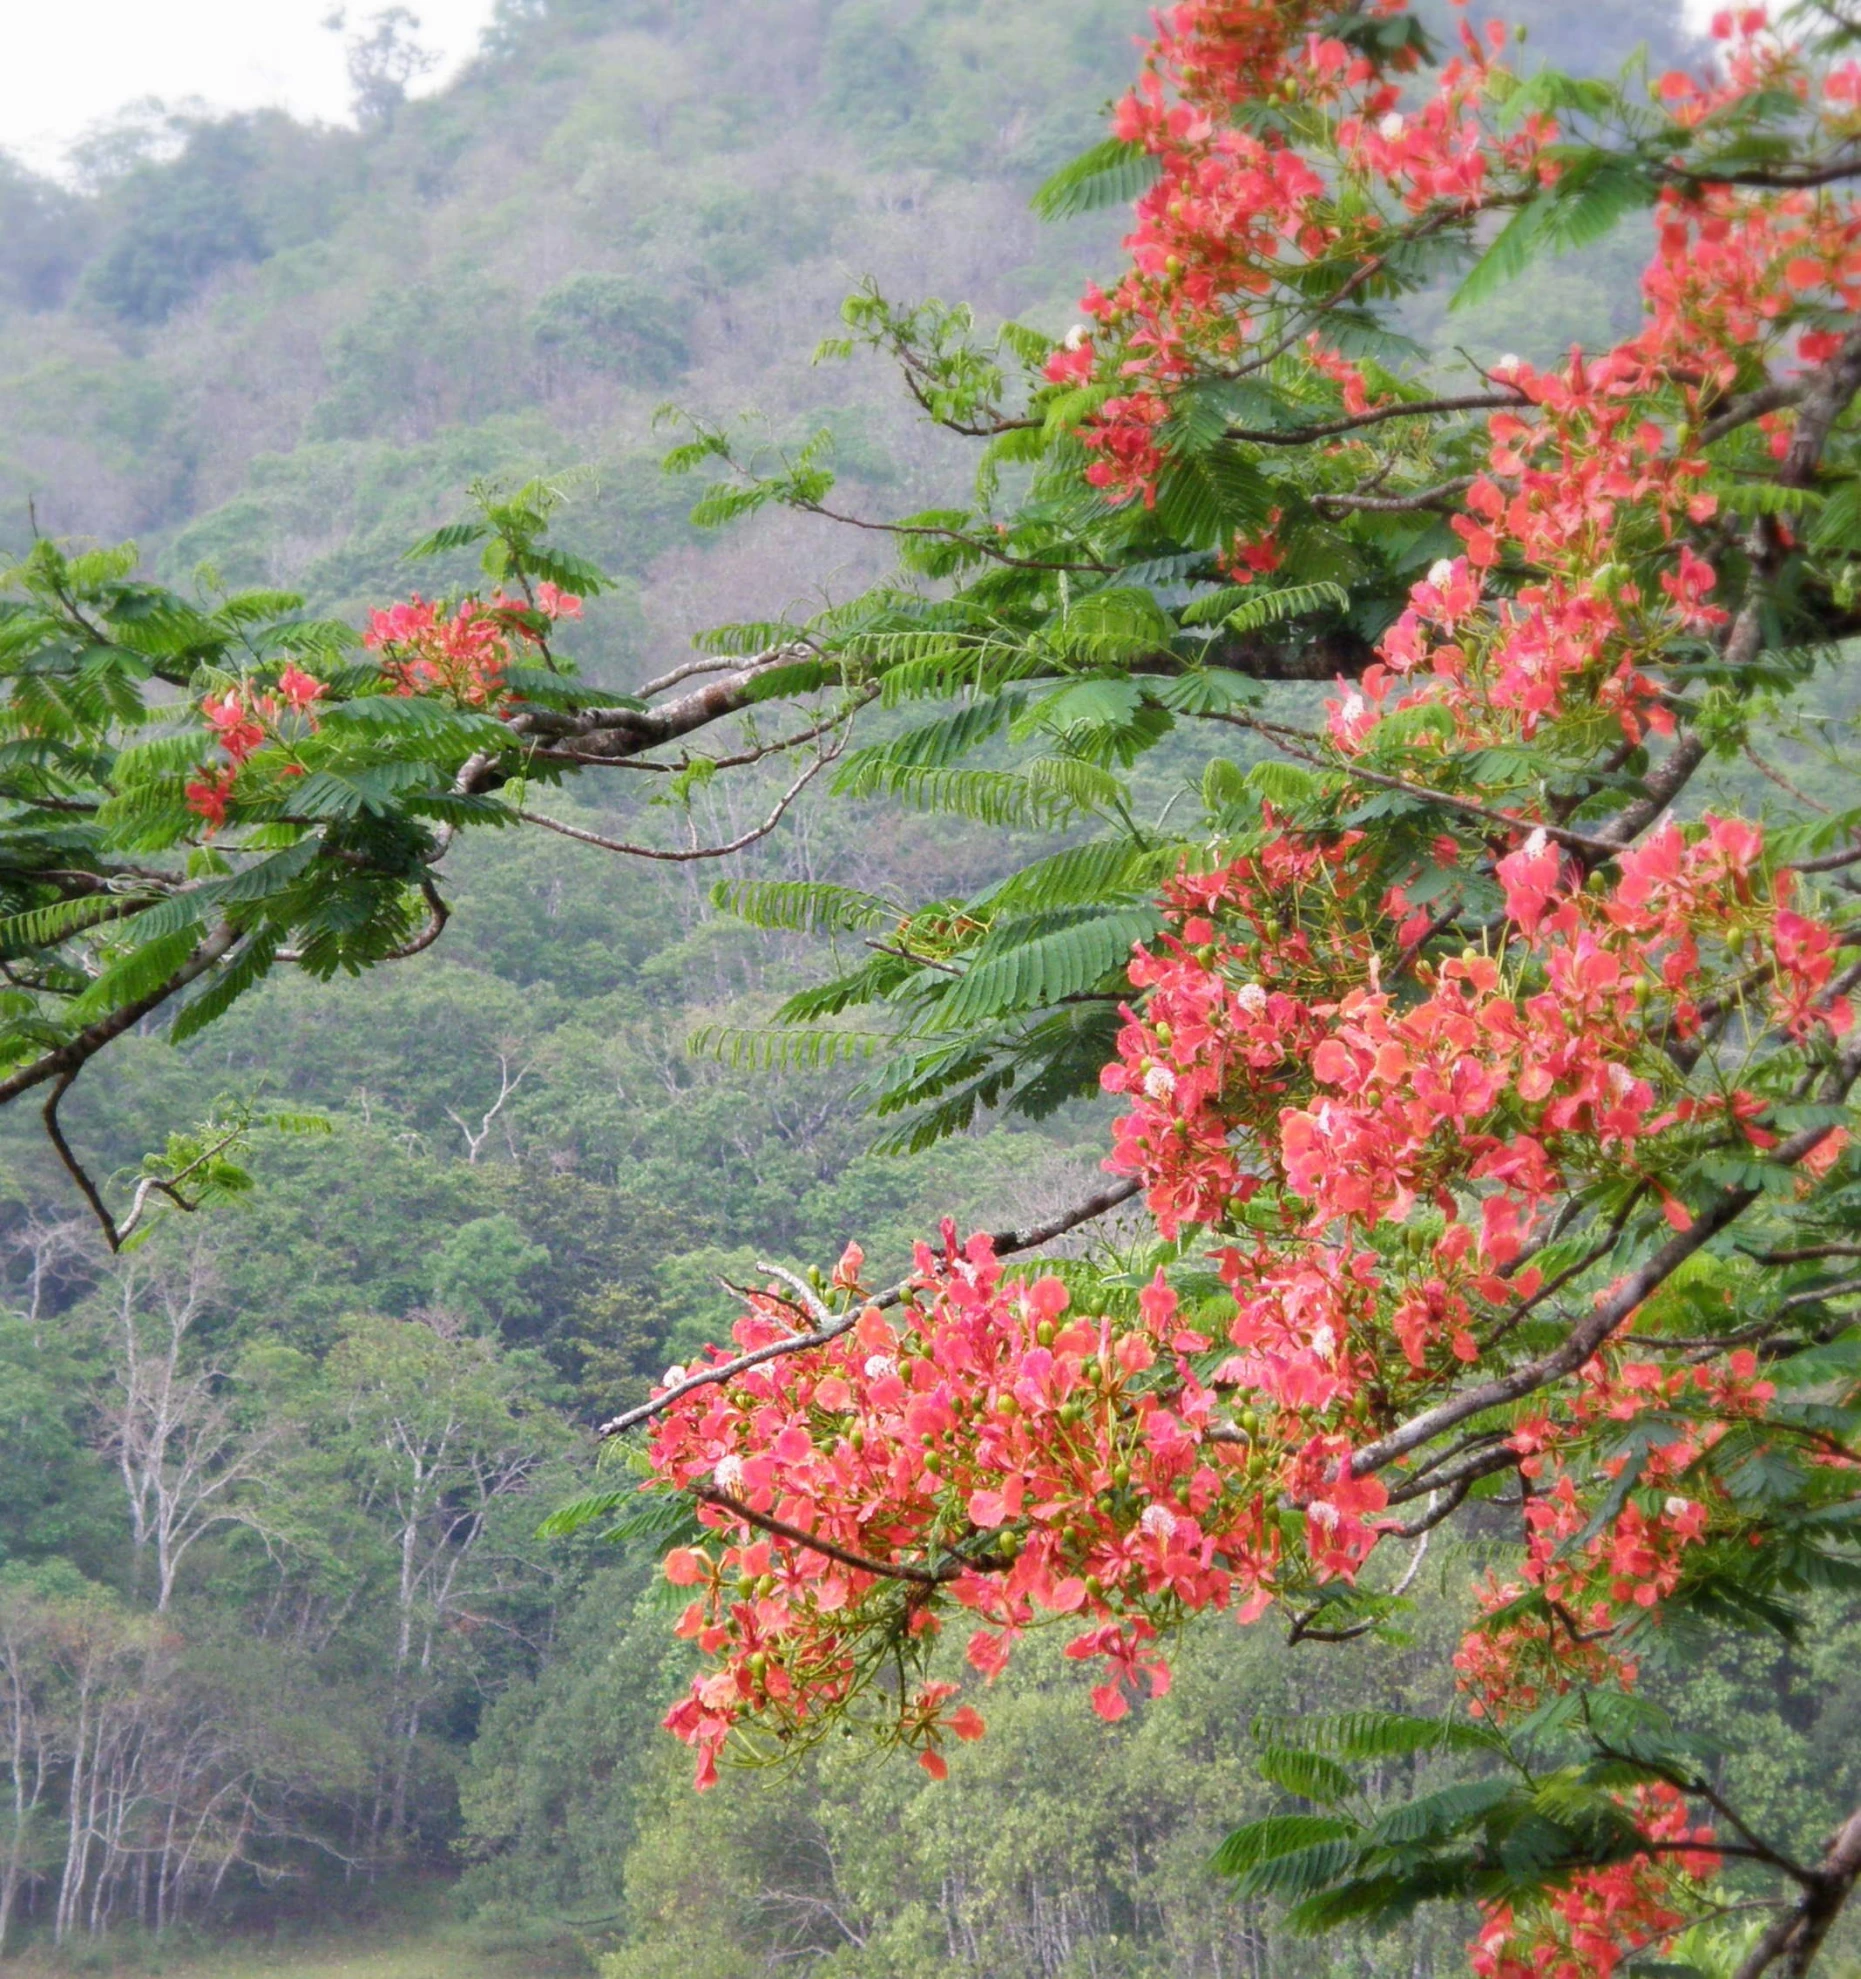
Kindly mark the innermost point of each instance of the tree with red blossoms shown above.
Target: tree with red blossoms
(1478, 1010)
(199, 791)
(1484, 1050)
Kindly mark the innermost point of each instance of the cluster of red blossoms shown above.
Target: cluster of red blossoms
(1126, 1470)
(243, 720)
(1047, 1465)
(1369, 1140)
(1237, 215)
(1601, 1916)
(462, 656)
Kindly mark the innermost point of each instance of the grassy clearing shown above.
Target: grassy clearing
(410, 1936)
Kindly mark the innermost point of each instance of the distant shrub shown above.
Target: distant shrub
(42, 234)
(744, 231)
(429, 355)
(618, 324)
(874, 77)
(177, 224)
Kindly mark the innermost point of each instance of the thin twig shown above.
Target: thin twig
(1293, 742)
(979, 544)
(1552, 1286)
(1783, 783)
(1303, 1631)
(709, 1494)
(810, 1299)
(1458, 1480)
(1422, 498)
(1299, 436)
(691, 853)
(1828, 862)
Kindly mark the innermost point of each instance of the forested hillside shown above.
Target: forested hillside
(276, 1625)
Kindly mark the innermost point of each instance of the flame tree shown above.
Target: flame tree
(1486, 1069)
(1485, 1072)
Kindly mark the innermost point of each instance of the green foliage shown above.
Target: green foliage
(1110, 174)
(1592, 198)
(180, 223)
(616, 324)
(331, 864)
(426, 354)
(1055, 1837)
(1498, 1838)
(874, 74)
(482, 1272)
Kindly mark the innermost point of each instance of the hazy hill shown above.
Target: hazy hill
(283, 351)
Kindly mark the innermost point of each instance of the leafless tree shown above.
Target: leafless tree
(29, 1732)
(160, 1784)
(187, 1460)
(383, 59)
(436, 1444)
(508, 1082)
(48, 1247)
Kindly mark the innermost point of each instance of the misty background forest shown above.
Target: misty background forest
(287, 1676)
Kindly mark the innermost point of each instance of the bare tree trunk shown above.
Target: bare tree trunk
(93, 1822)
(403, 1771)
(25, 1801)
(165, 1866)
(182, 1455)
(77, 1843)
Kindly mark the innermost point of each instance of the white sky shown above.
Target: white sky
(67, 64)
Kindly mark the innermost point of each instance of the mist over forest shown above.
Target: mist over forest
(289, 1676)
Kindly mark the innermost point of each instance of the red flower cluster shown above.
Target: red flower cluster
(463, 655)
(1240, 212)
(243, 720)
(1049, 1466)
(1603, 1916)
(1098, 1450)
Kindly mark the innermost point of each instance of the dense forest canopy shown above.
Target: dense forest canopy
(299, 1447)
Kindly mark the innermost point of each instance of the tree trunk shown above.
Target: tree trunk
(77, 1842)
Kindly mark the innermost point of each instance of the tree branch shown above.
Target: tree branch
(73, 1166)
(1007, 1243)
(1632, 1293)
(1299, 436)
(1788, 178)
(1422, 498)
(1456, 1479)
(75, 1054)
(608, 734)
(685, 857)
(1797, 1936)
(1292, 742)
(709, 1494)
(970, 540)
